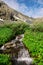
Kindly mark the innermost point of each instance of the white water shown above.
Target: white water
(23, 57)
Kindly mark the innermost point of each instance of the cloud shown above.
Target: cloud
(35, 13)
(21, 7)
(39, 12)
(17, 6)
(40, 1)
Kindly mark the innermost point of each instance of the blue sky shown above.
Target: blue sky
(32, 8)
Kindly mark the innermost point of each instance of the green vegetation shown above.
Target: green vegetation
(33, 35)
(37, 26)
(33, 40)
(5, 35)
(8, 32)
(5, 59)
(19, 28)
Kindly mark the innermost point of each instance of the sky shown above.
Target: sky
(31, 8)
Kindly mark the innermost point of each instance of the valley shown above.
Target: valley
(21, 38)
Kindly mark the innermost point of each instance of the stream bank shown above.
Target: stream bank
(19, 54)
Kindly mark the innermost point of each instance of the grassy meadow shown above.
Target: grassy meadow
(33, 39)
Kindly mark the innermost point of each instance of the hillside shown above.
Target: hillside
(8, 13)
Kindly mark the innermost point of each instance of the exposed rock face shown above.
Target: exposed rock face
(8, 13)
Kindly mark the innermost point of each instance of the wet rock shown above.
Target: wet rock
(7, 46)
(12, 47)
(19, 37)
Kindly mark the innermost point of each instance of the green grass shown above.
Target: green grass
(33, 39)
(5, 35)
(5, 59)
(34, 43)
(9, 31)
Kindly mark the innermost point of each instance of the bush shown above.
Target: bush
(5, 35)
(5, 59)
(34, 43)
(18, 27)
(37, 26)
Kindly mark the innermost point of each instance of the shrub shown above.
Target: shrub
(21, 28)
(5, 59)
(37, 26)
(5, 35)
(18, 27)
(34, 43)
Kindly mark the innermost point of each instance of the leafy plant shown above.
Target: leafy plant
(5, 35)
(34, 43)
(5, 59)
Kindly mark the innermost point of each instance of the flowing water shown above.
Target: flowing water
(23, 57)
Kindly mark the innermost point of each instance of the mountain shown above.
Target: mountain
(8, 13)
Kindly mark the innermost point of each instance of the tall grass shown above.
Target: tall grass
(37, 26)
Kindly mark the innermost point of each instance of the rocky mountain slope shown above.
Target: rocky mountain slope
(8, 13)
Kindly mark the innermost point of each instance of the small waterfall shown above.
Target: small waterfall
(24, 57)
(23, 54)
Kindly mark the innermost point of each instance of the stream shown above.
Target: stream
(22, 56)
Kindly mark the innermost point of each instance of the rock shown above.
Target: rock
(19, 37)
(20, 54)
(8, 46)
(13, 46)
